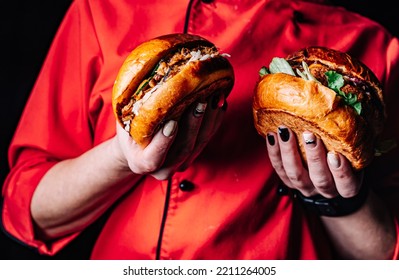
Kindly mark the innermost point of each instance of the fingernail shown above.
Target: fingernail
(218, 101)
(284, 133)
(270, 139)
(333, 159)
(309, 138)
(224, 107)
(200, 109)
(169, 128)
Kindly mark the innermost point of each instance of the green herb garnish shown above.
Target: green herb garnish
(146, 81)
(142, 86)
(336, 82)
(263, 71)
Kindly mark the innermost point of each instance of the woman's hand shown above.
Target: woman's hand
(177, 143)
(369, 232)
(328, 174)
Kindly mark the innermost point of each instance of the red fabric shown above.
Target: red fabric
(233, 211)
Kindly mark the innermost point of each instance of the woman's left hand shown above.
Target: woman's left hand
(327, 173)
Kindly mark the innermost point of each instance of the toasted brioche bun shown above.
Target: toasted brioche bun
(194, 82)
(306, 105)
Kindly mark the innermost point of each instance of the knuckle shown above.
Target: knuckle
(161, 176)
(148, 167)
(134, 168)
(313, 158)
(348, 192)
(308, 192)
(322, 184)
(294, 177)
(343, 176)
(277, 165)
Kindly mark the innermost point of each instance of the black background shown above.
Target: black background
(27, 29)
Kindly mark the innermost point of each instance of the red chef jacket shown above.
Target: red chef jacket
(225, 206)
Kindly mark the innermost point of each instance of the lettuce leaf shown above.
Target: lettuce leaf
(336, 82)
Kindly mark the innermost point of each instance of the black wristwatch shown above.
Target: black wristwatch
(333, 207)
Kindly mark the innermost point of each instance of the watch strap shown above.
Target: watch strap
(333, 207)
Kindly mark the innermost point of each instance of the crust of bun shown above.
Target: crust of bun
(194, 82)
(142, 60)
(301, 105)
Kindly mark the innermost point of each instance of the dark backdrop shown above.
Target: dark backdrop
(26, 31)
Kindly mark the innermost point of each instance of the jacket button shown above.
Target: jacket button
(186, 186)
(298, 16)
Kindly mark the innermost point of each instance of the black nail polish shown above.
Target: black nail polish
(224, 107)
(270, 139)
(215, 101)
(284, 134)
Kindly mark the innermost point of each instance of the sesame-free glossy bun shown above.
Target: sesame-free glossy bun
(194, 82)
(302, 105)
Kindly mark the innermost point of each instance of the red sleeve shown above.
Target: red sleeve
(55, 124)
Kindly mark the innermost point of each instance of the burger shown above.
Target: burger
(327, 92)
(161, 77)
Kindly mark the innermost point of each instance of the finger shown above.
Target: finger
(346, 181)
(210, 124)
(154, 154)
(218, 105)
(190, 125)
(183, 145)
(273, 150)
(319, 171)
(162, 140)
(292, 162)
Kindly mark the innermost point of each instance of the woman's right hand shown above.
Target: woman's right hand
(176, 144)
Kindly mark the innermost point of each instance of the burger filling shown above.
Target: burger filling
(352, 90)
(347, 88)
(165, 70)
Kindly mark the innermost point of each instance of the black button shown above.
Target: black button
(186, 186)
(207, 1)
(298, 16)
